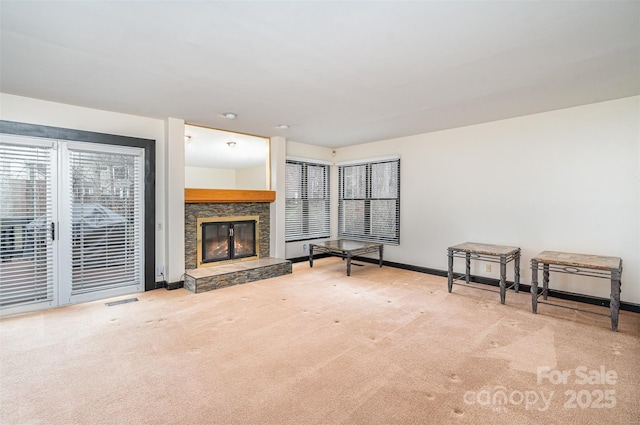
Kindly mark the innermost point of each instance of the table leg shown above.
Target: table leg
(545, 281)
(450, 270)
(516, 275)
(467, 266)
(310, 255)
(615, 299)
(348, 264)
(503, 278)
(381, 254)
(534, 286)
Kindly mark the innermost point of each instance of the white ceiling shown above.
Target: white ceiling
(209, 148)
(339, 73)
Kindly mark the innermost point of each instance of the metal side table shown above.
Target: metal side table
(486, 252)
(579, 264)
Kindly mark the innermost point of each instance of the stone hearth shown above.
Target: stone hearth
(210, 278)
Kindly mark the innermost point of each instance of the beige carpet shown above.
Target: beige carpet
(384, 346)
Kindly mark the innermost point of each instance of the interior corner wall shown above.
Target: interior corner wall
(41, 112)
(565, 180)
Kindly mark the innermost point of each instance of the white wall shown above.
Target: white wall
(563, 180)
(210, 178)
(174, 199)
(252, 178)
(566, 180)
(249, 178)
(277, 208)
(34, 111)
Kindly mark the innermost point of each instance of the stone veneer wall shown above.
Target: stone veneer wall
(200, 210)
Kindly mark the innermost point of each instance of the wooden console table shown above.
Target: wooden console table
(578, 264)
(345, 249)
(486, 252)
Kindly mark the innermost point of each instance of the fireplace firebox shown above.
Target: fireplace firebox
(227, 239)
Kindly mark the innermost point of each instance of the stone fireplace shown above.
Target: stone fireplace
(204, 273)
(224, 211)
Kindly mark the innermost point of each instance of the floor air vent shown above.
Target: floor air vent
(127, 301)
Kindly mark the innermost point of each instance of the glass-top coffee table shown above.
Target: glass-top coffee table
(346, 249)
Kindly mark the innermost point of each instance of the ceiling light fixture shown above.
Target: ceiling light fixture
(283, 126)
(231, 144)
(230, 115)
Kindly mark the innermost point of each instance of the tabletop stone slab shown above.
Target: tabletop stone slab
(346, 244)
(485, 248)
(579, 260)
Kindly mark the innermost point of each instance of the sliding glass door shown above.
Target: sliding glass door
(101, 222)
(71, 222)
(28, 213)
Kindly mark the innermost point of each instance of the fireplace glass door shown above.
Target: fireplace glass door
(228, 240)
(215, 242)
(243, 236)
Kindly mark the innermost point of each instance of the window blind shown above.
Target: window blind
(106, 224)
(26, 220)
(307, 201)
(369, 201)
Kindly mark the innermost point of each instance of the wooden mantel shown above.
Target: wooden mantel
(194, 196)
